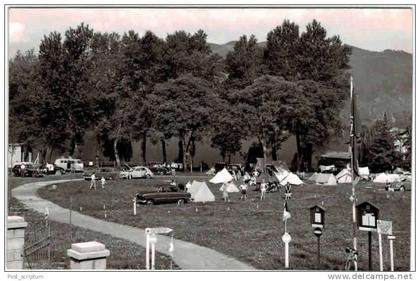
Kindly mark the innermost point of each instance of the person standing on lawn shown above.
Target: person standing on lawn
(244, 188)
(263, 189)
(103, 181)
(225, 194)
(22, 170)
(92, 181)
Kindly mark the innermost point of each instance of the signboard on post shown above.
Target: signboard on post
(367, 216)
(384, 227)
(317, 216)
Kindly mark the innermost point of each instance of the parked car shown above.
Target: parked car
(403, 185)
(107, 173)
(70, 164)
(160, 170)
(177, 166)
(136, 172)
(51, 169)
(163, 194)
(29, 170)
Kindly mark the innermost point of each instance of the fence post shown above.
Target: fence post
(88, 256)
(15, 241)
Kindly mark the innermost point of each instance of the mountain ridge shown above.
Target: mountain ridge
(383, 80)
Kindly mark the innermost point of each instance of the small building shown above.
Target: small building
(17, 152)
(14, 154)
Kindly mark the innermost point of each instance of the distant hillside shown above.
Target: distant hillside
(383, 80)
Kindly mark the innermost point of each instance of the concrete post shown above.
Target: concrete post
(15, 241)
(88, 256)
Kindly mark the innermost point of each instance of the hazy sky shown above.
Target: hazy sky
(371, 29)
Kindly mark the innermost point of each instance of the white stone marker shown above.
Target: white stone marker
(15, 241)
(88, 256)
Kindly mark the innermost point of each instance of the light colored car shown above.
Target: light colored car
(69, 164)
(136, 172)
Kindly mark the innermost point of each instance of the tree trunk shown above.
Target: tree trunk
(163, 143)
(117, 157)
(273, 147)
(299, 152)
(192, 152)
(230, 158)
(180, 150)
(274, 153)
(143, 147)
(51, 153)
(44, 155)
(308, 156)
(265, 152)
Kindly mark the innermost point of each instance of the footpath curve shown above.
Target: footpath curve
(188, 256)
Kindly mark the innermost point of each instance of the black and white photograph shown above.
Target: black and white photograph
(197, 137)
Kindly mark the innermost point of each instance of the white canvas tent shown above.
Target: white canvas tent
(363, 172)
(200, 192)
(211, 171)
(398, 171)
(384, 178)
(313, 177)
(344, 176)
(188, 185)
(230, 187)
(326, 179)
(288, 178)
(222, 176)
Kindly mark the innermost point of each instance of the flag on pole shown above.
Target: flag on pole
(286, 213)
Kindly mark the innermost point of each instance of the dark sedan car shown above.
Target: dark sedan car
(26, 170)
(164, 194)
(160, 170)
(52, 169)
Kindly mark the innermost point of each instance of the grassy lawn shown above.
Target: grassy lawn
(124, 254)
(251, 230)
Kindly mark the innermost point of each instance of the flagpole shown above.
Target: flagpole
(352, 162)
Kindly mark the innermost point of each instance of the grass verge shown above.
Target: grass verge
(251, 230)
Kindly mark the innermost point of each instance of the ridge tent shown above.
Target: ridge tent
(211, 171)
(326, 179)
(188, 185)
(313, 177)
(363, 172)
(200, 192)
(193, 187)
(292, 179)
(260, 165)
(344, 176)
(222, 176)
(384, 178)
(230, 187)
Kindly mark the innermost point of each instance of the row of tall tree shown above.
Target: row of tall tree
(134, 88)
